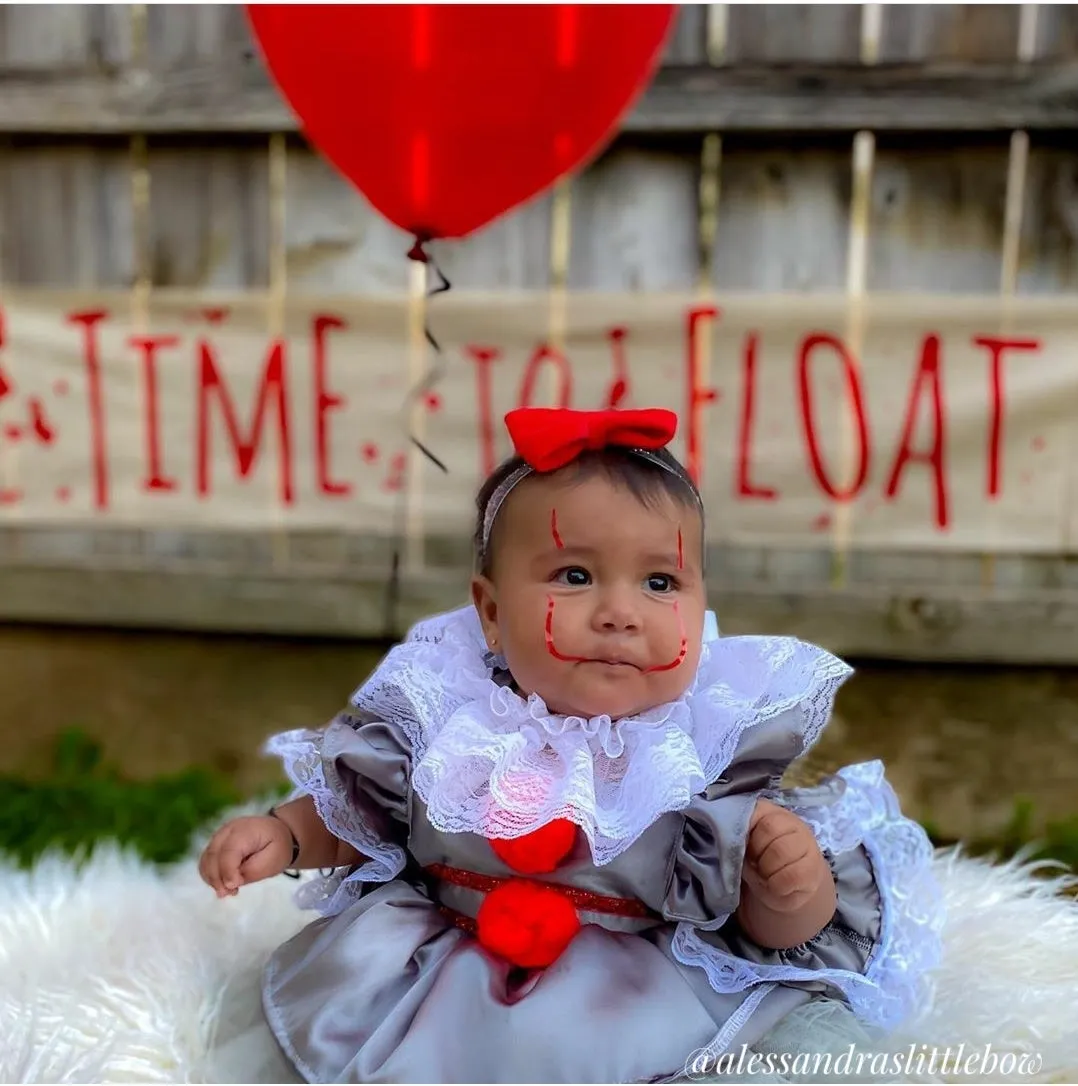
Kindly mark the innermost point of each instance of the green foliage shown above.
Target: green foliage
(84, 802)
(1057, 841)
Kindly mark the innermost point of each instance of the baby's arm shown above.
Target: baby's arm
(787, 892)
(254, 848)
(317, 846)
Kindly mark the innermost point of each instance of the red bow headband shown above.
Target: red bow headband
(547, 439)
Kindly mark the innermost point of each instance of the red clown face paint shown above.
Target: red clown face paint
(554, 530)
(683, 650)
(549, 631)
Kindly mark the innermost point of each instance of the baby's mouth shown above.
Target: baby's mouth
(615, 661)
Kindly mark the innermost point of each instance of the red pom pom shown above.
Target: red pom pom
(538, 852)
(527, 924)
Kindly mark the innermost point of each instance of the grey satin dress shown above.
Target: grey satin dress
(386, 987)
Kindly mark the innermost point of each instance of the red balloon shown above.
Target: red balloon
(445, 116)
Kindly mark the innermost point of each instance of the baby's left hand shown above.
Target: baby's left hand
(784, 867)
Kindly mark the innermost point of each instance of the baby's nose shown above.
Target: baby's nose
(616, 614)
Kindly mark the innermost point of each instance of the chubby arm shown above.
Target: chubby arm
(317, 846)
(787, 892)
(253, 848)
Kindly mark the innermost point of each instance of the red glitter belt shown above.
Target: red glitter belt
(529, 923)
(584, 900)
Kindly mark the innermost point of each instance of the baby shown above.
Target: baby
(559, 844)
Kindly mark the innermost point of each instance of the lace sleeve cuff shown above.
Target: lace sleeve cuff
(355, 774)
(884, 940)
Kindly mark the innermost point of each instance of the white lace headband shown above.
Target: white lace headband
(518, 475)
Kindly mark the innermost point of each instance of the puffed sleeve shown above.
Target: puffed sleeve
(357, 770)
(775, 696)
(878, 950)
(702, 886)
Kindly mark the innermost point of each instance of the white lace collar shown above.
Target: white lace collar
(488, 761)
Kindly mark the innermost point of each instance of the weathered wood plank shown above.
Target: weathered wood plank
(936, 97)
(335, 242)
(882, 98)
(512, 253)
(781, 33)
(688, 41)
(52, 38)
(634, 221)
(66, 215)
(926, 621)
(1049, 252)
(180, 35)
(783, 220)
(970, 32)
(1057, 30)
(937, 219)
(209, 216)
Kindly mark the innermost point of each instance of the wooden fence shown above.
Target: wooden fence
(781, 148)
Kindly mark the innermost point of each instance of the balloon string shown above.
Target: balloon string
(433, 375)
(437, 371)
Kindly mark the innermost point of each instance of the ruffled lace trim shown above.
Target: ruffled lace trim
(489, 762)
(301, 754)
(896, 982)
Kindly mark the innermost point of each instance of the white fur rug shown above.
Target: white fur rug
(120, 973)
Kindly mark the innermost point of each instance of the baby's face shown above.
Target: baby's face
(596, 601)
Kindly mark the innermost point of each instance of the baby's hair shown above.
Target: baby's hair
(647, 481)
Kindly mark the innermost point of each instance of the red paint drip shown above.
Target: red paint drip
(554, 532)
(619, 389)
(43, 429)
(680, 551)
(683, 651)
(549, 631)
(395, 480)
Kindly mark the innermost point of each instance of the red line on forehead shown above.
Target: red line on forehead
(554, 530)
(680, 551)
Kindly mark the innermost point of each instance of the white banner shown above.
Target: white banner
(954, 429)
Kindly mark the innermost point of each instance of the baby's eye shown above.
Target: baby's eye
(661, 583)
(573, 576)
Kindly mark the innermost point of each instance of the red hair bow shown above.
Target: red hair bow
(548, 438)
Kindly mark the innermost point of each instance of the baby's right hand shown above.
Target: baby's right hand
(245, 850)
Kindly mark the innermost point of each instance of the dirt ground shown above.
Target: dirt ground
(960, 745)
